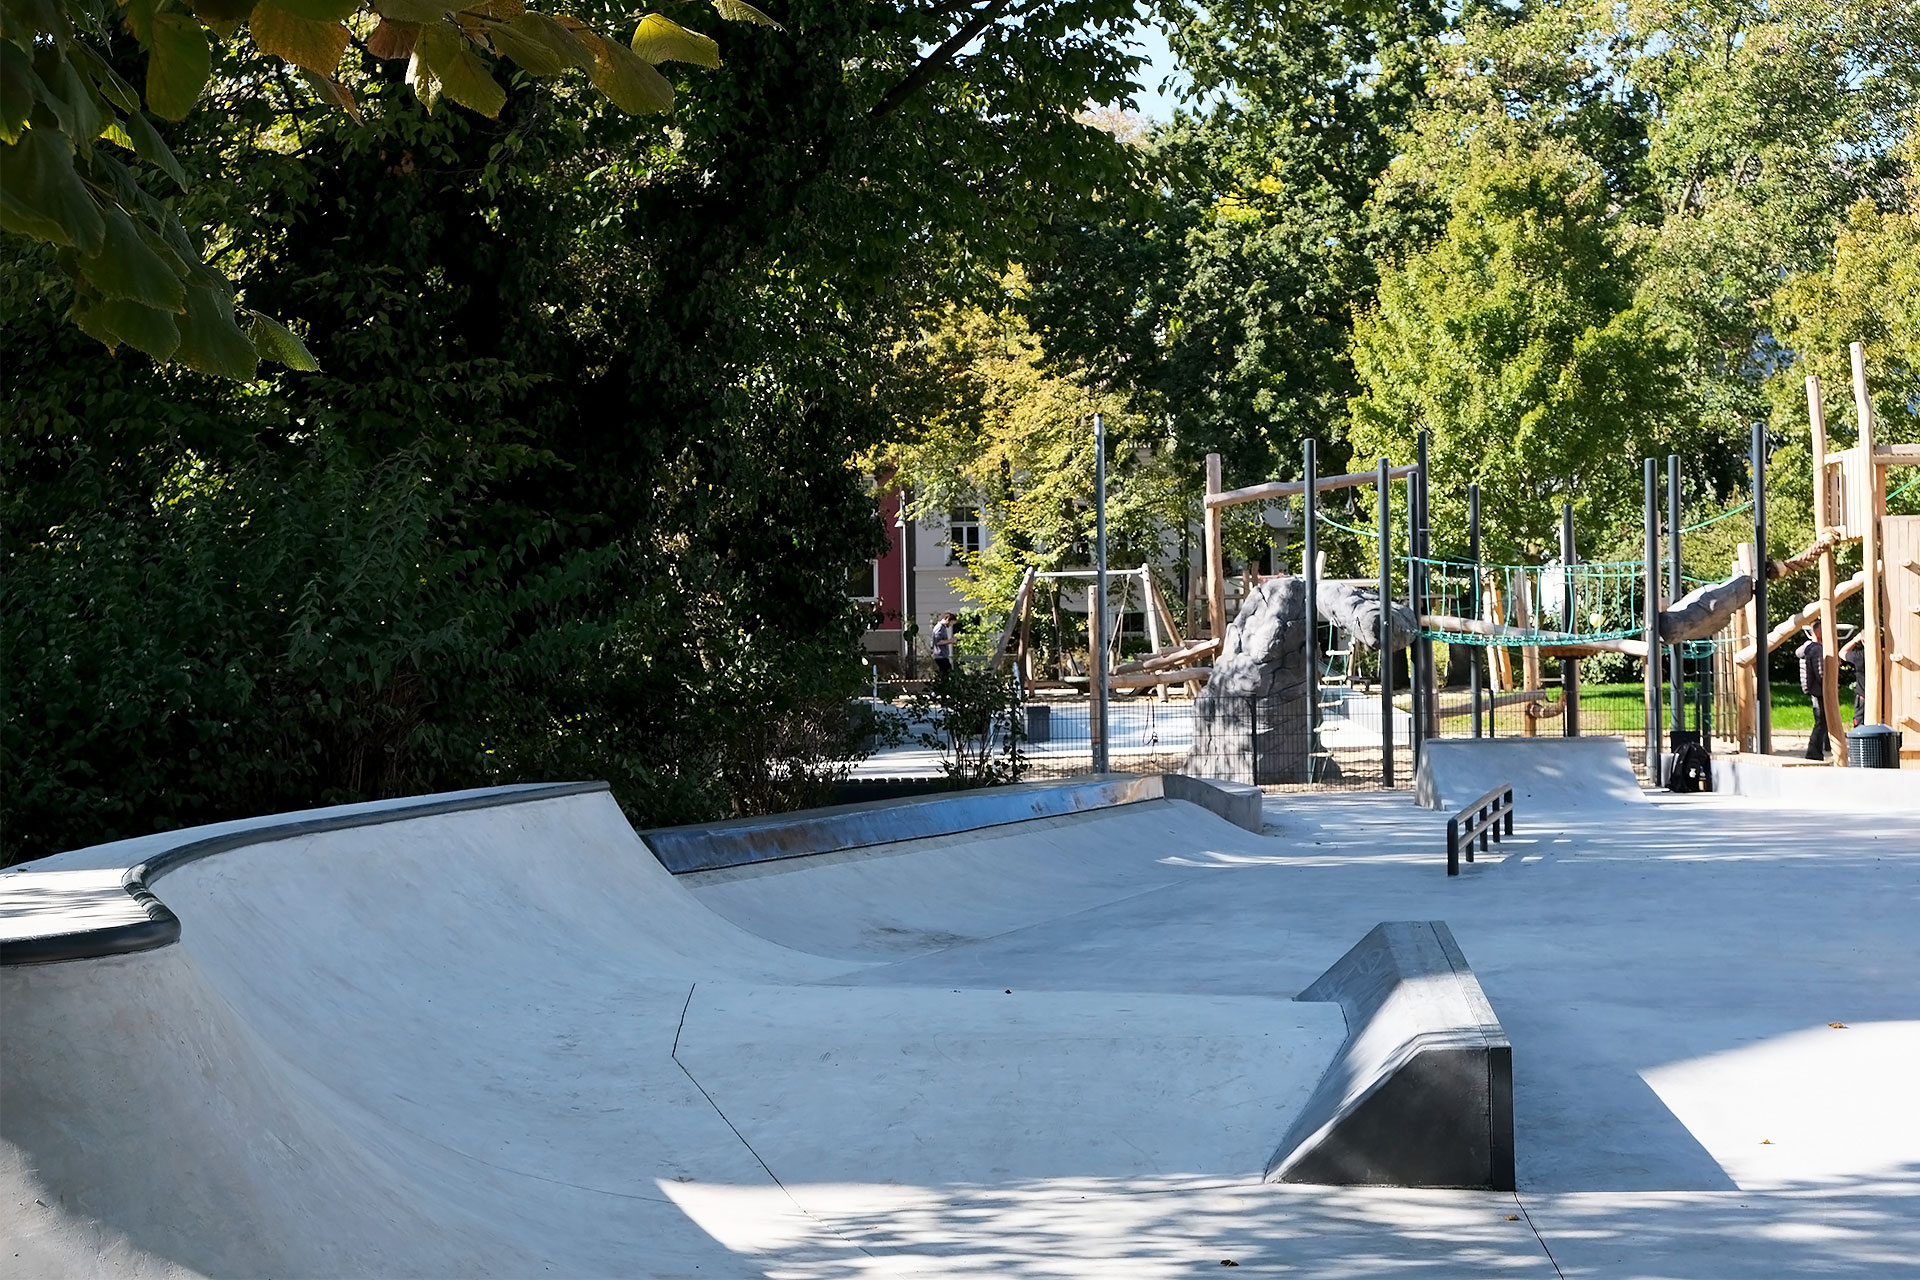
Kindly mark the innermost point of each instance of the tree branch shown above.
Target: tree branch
(927, 67)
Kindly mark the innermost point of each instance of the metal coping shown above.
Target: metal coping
(162, 927)
(746, 841)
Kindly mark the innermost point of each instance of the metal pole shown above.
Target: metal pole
(1310, 572)
(1763, 688)
(1650, 610)
(1676, 668)
(1569, 667)
(1473, 595)
(1098, 630)
(1382, 489)
(1418, 537)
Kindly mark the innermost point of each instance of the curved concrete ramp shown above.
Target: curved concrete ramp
(497, 1037)
(1422, 1092)
(1548, 775)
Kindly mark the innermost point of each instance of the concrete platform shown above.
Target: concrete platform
(1548, 775)
(507, 1042)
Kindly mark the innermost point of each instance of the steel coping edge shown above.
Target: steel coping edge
(163, 927)
(717, 846)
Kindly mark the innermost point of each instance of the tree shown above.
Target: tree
(994, 428)
(614, 370)
(1515, 340)
(138, 277)
(1220, 293)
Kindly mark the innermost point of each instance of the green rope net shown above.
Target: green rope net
(1519, 604)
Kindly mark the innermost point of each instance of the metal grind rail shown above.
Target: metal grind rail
(1483, 818)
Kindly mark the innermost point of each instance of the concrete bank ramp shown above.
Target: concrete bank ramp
(1548, 775)
(496, 1037)
(1422, 1092)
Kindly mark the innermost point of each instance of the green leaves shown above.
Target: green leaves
(629, 83)
(274, 341)
(443, 60)
(178, 64)
(741, 11)
(659, 39)
(305, 42)
(41, 196)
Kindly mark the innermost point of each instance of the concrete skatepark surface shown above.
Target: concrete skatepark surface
(507, 1042)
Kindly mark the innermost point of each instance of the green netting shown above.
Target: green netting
(1528, 603)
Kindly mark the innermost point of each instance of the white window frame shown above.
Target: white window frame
(966, 533)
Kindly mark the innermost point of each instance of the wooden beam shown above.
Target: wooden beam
(1897, 455)
(1501, 700)
(1744, 654)
(1020, 601)
(1149, 679)
(1529, 654)
(1829, 629)
(1871, 605)
(1294, 488)
(1746, 711)
(1216, 555)
(1165, 658)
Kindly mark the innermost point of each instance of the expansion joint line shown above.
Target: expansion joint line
(694, 1081)
(1553, 1261)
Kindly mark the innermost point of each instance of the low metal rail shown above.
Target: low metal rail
(1490, 815)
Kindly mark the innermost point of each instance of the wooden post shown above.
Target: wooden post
(1873, 598)
(1152, 616)
(1216, 558)
(1529, 654)
(1829, 632)
(1744, 630)
(1762, 684)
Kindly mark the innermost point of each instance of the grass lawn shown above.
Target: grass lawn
(1622, 704)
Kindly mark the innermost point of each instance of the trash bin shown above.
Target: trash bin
(1873, 746)
(1040, 723)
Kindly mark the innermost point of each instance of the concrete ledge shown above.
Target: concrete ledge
(1421, 1093)
(60, 908)
(1238, 802)
(1817, 786)
(711, 846)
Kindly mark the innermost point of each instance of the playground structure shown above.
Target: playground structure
(1567, 609)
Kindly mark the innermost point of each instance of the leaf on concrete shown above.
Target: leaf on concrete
(178, 64)
(462, 76)
(274, 341)
(741, 11)
(151, 147)
(393, 39)
(631, 84)
(659, 39)
(325, 12)
(317, 46)
(42, 197)
(210, 341)
(128, 268)
(544, 49)
(114, 321)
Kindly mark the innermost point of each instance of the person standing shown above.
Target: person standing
(1811, 655)
(943, 645)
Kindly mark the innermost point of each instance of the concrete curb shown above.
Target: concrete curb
(1864, 790)
(1421, 1093)
(1240, 803)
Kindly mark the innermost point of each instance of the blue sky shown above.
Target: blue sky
(1153, 43)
